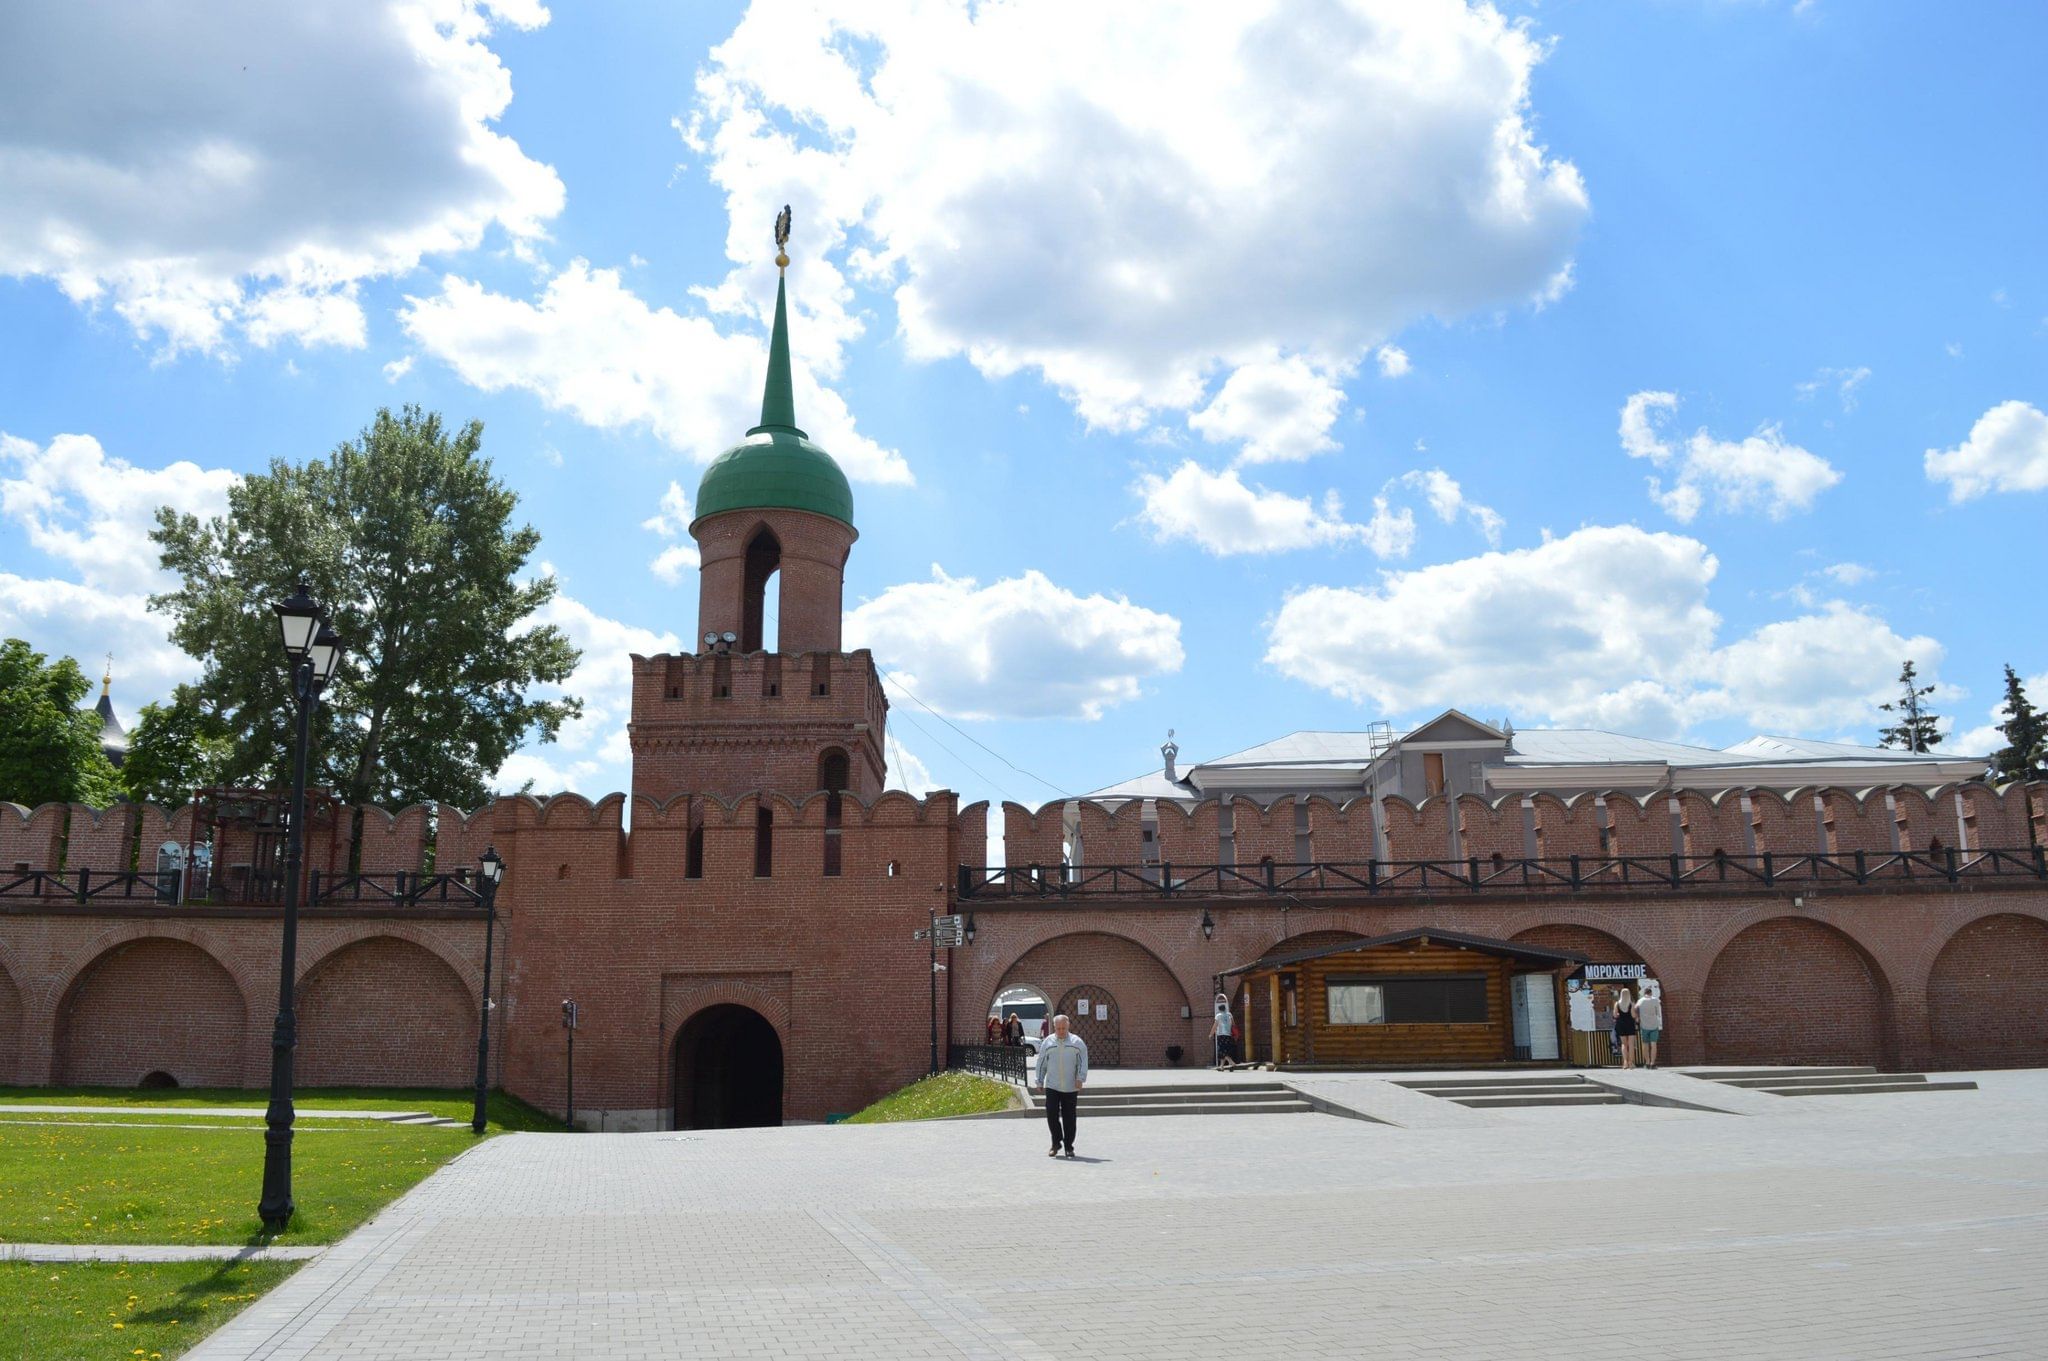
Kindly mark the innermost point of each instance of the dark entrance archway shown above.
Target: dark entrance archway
(728, 1070)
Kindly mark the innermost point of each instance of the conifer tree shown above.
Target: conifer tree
(2025, 756)
(1916, 728)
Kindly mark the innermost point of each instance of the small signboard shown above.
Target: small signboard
(1615, 973)
(568, 1015)
(950, 931)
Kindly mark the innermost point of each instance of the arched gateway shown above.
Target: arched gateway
(728, 1070)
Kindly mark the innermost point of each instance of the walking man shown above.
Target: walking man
(1223, 1033)
(1062, 1072)
(1650, 1016)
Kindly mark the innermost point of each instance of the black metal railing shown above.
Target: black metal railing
(1571, 874)
(1006, 1062)
(400, 889)
(85, 886)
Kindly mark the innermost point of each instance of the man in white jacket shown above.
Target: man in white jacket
(1062, 1072)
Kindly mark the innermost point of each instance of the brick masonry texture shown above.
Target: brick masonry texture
(1900, 973)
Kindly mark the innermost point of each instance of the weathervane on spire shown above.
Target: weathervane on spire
(782, 238)
(107, 680)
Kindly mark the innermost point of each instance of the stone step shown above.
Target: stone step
(1189, 1088)
(1116, 1097)
(1461, 1093)
(1574, 1099)
(1876, 1088)
(1452, 1083)
(1090, 1111)
(1825, 1080)
(1738, 1074)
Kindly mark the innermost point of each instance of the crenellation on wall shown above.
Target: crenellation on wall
(1567, 828)
(1340, 834)
(100, 839)
(31, 838)
(1640, 827)
(1492, 830)
(393, 843)
(1787, 823)
(1033, 837)
(1417, 831)
(1715, 823)
(1857, 820)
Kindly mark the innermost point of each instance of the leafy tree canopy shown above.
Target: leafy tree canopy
(2025, 755)
(1917, 728)
(49, 747)
(175, 749)
(406, 539)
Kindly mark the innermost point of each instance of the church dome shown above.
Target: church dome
(777, 468)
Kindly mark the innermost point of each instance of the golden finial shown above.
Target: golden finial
(782, 239)
(107, 680)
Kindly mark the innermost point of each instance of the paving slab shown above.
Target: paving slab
(1836, 1231)
(215, 1112)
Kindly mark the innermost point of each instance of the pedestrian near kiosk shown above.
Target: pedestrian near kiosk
(1062, 1073)
(1650, 1019)
(1625, 1025)
(1223, 1033)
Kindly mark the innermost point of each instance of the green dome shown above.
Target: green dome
(784, 470)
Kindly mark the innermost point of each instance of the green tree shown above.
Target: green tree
(49, 747)
(174, 749)
(2025, 756)
(406, 538)
(1915, 728)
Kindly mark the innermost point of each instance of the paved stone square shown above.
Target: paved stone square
(1852, 1227)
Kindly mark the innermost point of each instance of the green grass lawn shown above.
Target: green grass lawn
(102, 1184)
(502, 1113)
(152, 1310)
(946, 1094)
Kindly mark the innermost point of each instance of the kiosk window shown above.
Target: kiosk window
(1356, 1003)
(1407, 1001)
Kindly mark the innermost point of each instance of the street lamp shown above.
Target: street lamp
(491, 869)
(1208, 925)
(312, 650)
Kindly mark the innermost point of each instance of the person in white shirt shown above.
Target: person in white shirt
(1062, 1073)
(1223, 1033)
(1650, 1019)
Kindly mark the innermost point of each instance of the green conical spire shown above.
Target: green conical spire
(778, 405)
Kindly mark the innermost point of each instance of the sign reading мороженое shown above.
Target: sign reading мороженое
(1610, 973)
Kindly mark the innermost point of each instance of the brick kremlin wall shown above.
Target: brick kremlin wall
(1900, 972)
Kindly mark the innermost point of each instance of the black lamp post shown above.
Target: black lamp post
(312, 650)
(492, 869)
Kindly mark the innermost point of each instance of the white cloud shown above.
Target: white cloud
(1277, 410)
(672, 522)
(398, 368)
(1848, 573)
(1021, 647)
(1844, 382)
(1042, 193)
(242, 167)
(1609, 626)
(94, 513)
(1220, 513)
(906, 771)
(2007, 451)
(1393, 361)
(1762, 472)
(591, 755)
(593, 348)
(91, 514)
(1447, 499)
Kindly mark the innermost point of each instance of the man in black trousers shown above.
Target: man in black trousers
(1062, 1072)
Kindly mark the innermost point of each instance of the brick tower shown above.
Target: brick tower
(773, 512)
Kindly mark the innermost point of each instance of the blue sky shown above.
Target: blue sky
(1676, 367)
